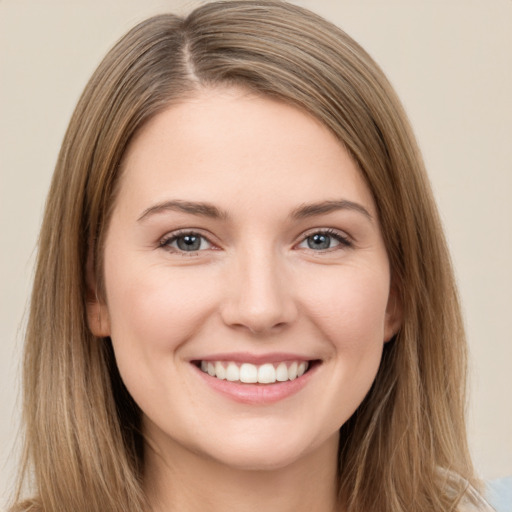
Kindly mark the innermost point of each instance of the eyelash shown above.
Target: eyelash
(165, 243)
(344, 240)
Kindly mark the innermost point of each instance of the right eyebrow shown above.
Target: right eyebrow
(192, 207)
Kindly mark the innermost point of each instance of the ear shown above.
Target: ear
(394, 314)
(98, 318)
(97, 311)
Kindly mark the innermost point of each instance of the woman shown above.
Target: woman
(250, 295)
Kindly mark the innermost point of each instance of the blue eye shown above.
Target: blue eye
(186, 242)
(324, 240)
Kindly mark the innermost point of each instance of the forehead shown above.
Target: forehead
(230, 144)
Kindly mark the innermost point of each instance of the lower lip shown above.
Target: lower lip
(257, 394)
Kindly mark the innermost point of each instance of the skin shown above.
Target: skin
(254, 286)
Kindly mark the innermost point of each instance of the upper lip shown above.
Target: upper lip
(257, 359)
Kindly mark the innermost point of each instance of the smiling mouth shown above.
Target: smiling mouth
(248, 373)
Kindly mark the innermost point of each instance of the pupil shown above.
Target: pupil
(319, 241)
(189, 242)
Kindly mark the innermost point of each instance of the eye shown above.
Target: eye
(185, 242)
(325, 240)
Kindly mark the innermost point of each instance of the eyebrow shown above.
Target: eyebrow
(192, 207)
(323, 207)
(203, 209)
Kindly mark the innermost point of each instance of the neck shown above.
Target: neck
(188, 482)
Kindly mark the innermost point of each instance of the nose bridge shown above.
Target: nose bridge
(258, 297)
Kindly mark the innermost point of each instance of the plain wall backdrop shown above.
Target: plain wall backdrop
(451, 63)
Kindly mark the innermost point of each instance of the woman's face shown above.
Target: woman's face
(247, 283)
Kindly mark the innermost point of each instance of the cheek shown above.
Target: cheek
(157, 309)
(349, 306)
(349, 310)
(153, 311)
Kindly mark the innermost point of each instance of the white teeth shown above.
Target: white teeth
(220, 371)
(248, 373)
(232, 372)
(282, 372)
(267, 373)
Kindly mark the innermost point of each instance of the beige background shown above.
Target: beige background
(451, 62)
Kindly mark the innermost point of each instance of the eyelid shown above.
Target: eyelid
(344, 239)
(164, 241)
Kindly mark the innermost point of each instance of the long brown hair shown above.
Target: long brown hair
(83, 443)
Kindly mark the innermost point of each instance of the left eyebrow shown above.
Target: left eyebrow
(323, 207)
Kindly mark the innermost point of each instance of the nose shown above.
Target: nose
(258, 296)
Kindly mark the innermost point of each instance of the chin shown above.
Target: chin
(267, 453)
(261, 460)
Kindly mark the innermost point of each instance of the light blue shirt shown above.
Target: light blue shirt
(499, 494)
